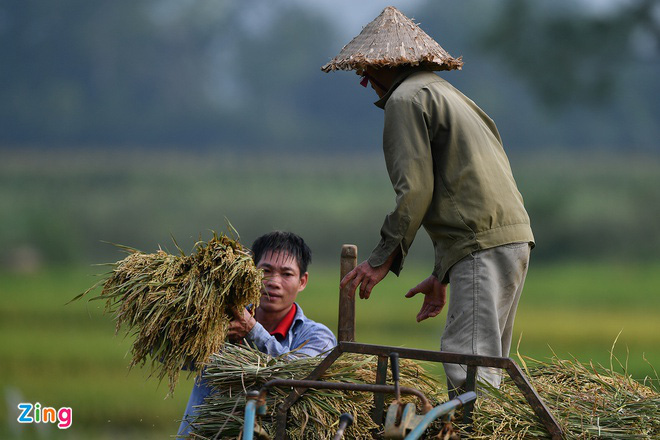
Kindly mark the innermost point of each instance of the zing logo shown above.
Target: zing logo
(36, 414)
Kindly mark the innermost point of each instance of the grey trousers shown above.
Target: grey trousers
(484, 291)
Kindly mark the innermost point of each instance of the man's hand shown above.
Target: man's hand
(241, 325)
(366, 277)
(435, 297)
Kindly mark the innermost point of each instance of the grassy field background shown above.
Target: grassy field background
(594, 276)
(66, 355)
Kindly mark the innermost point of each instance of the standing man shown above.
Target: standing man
(445, 159)
(278, 325)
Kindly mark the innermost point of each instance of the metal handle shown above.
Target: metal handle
(439, 411)
(394, 361)
(346, 327)
(250, 411)
(345, 420)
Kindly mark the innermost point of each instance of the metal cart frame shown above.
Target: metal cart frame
(347, 344)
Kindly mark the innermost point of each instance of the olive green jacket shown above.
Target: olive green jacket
(445, 159)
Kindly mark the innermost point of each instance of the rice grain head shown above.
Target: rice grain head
(238, 369)
(178, 307)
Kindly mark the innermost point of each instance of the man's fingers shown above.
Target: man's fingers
(354, 285)
(412, 292)
(349, 276)
(354, 277)
(428, 311)
(363, 277)
(421, 316)
(365, 288)
(420, 288)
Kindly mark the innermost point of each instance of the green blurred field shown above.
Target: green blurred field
(595, 272)
(66, 355)
(61, 205)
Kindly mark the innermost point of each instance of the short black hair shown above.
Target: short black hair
(280, 241)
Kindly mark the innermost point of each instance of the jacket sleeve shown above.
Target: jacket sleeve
(313, 340)
(409, 161)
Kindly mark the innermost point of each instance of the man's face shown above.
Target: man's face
(282, 281)
(380, 79)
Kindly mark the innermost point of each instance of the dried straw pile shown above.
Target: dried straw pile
(178, 307)
(315, 415)
(588, 402)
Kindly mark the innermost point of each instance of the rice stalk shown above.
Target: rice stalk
(588, 401)
(238, 369)
(178, 307)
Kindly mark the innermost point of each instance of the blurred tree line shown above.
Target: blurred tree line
(223, 77)
(246, 74)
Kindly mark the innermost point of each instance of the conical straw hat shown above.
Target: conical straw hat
(392, 39)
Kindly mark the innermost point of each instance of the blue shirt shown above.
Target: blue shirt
(317, 339)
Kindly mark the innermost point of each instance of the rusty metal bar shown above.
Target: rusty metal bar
(507, 364)
(426, 355)
(283, 409)
(534, 400)
(346, 336)
(365, 387)
(379, 399)
(346, 327)
(470, 385)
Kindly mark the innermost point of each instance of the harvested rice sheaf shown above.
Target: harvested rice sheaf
(588, 402)
(238, 369)
(178, 307)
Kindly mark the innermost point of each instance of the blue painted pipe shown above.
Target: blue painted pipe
(248, 427)
(440, 411)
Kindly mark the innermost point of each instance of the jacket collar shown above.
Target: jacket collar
(285, 324)
(397, 81)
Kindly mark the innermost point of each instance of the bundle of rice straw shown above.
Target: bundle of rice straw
(588, 402)
(315, 415)
(178, 307)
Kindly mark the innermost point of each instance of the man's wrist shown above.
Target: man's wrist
(250, 324)
(392, 257)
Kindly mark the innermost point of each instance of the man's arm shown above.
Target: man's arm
(409, 161)
(245, 326)
(310, 340)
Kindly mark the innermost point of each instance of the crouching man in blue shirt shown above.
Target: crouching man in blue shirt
(278, 325)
